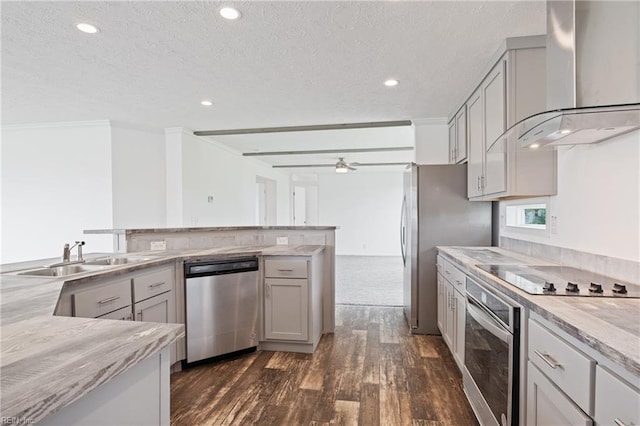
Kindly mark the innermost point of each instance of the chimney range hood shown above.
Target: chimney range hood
(593, 76)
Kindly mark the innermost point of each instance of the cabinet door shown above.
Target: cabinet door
(450, 324)
(286, 309)
(493, 93)
(476, 145)
(441, 304)
(123, 314)
(461, 135)
(459, 313)
(616, 401)
(452, 141)
(547, 405)
(155, 309)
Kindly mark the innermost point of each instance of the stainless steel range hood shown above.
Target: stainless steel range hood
(593, 76)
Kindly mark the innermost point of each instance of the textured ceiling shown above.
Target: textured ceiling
(281, 64)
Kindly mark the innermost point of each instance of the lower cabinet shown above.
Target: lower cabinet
(451, 308)
(617, 402)
(155, 309)
(292, 309)
(123, 314)
(286, 309)
(547, 405)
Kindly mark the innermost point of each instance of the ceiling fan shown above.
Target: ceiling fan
(344, 167)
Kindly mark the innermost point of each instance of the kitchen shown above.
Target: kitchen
(50, 171)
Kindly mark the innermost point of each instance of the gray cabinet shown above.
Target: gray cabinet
(511, 90)
(292, 308)
(617, 402)
(547, 405)
(451, 309)
(123, 314)
(102, 298)
(458, 137)
(155, 309)
(286, 309)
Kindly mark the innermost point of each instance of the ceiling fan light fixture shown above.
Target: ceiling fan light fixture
(87, 28)
(342, 169)
(391, 82)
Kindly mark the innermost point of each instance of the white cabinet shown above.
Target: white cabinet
(617, 402)
(494, 103)
(292, 308)
(458, 137)
(547, 405)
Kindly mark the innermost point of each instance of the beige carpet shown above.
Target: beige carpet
(369, 280)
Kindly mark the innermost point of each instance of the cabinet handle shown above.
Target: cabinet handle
(548, 359)
(130, 317)
(447, 272)
(285, 270)
(156, 285)
(619, 422)
(268, 290)
(478, 183)
(107, 300)
(459, 282)
(482, 181)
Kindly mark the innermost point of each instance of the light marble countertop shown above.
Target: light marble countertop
(48, 361)
(208, 229)
(610, 326)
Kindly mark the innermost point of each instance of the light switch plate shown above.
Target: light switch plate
(282, 240)
(158, 245)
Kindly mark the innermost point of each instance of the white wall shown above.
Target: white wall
(598, 201)
(211, 169)
(56, 182)
(431, 141)
(139, 178)
(366, 207)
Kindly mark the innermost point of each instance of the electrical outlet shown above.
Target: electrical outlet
(282, 240)
(158, 245)
(210, 199)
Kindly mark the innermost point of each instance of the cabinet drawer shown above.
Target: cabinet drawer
(454, 275)
(154, 283)
(571, 370)
(102, 300)
(616, 401)
(285, 268)
(123, 314)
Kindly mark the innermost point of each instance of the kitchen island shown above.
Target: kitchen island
(52, 365)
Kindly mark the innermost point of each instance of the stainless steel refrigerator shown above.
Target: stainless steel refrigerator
(435, 212)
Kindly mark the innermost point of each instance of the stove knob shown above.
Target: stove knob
(549, 287)
(572, 287)
(619, 288)
(595, 288)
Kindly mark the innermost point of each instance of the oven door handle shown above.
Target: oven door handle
(487, 322)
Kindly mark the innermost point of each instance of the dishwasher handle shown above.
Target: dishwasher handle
(220, 267)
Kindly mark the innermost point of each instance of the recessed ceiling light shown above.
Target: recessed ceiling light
(391, 82)
(565, 132)
(87, 28)
(535, 145)
(229, 13)
(206, 103)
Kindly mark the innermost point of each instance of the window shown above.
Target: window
(527, 215)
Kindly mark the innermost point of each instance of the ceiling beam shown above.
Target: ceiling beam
(293, 166)
(328, 151)
(311, 128)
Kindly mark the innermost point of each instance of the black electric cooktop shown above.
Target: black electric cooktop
(562, 281)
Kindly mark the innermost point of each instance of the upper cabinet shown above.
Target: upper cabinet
(512, 89)
(458, 137)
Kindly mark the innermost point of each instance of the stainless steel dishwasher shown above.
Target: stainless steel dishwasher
(222, 306)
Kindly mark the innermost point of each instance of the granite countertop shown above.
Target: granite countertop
(48, 361)
(208, 229)
(610, 326)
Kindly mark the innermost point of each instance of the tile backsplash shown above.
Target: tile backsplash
(625, 270)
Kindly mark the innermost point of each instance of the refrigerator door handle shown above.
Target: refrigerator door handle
(403, 230)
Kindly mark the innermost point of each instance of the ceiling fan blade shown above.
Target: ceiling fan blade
(351, 168)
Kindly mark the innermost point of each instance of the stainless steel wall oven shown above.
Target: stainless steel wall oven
(492, 352)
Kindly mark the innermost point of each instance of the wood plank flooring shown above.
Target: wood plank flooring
(371, 371)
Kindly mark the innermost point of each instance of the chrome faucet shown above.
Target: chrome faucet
(66, 252)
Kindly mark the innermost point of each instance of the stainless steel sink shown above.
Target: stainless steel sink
(121, 260)
(61, 271)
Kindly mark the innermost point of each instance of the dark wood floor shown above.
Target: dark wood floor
(370, 372)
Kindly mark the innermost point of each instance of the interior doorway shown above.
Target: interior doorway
(266, 205)
(305, 205)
